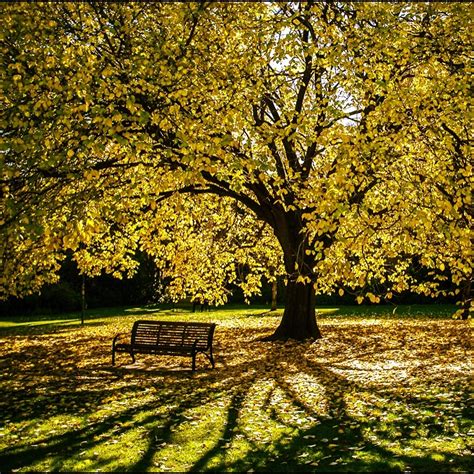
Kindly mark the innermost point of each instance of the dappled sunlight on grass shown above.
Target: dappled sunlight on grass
(372, 395)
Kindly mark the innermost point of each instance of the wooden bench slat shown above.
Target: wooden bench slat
(168, 337)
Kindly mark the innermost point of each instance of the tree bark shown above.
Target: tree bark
(466, 300)
(299, 318)
(83, 299)
(274, 295)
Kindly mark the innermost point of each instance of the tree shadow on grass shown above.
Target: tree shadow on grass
(150, 404)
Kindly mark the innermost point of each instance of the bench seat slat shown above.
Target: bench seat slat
(168, 337)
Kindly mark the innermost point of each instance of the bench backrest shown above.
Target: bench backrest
(172, 333)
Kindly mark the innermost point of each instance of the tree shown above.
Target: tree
(292, 110)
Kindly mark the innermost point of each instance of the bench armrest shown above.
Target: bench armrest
(115, 339)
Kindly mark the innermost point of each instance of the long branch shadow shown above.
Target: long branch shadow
(91, 435)
(354, 437)
(304, 449)
(288, 456)
(231, 425)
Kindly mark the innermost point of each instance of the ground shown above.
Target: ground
(382, 391)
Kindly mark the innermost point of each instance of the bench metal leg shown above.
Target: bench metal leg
(133, 357)
(211, 358)
(194, 362)
(113, 357)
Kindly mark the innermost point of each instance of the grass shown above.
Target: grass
(382, 391)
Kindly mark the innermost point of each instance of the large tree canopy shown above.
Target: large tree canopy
(334, 136)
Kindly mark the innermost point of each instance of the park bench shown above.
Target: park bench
(168, 338)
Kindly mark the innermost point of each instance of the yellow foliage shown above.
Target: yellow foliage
(343, 128)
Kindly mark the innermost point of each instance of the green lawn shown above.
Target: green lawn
(384, 390)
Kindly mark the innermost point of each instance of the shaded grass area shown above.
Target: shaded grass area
(378, 393)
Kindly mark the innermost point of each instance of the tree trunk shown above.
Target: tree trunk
(299, 318)
(83, 299)
(466, 300)
(274, 295)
